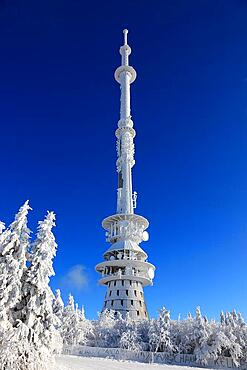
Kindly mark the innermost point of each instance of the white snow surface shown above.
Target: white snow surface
(66, 362)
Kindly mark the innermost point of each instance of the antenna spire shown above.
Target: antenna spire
(125, 32)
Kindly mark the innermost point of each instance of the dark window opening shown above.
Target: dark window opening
(115, 283)
(117, 292)
(122, 282)
(121, 302)
(132, 302)
(130, 282)
(135, 293)
(120, 179)
(110, 293)
(127, 292)
(138, 313)
(140, 303)
(112, 303)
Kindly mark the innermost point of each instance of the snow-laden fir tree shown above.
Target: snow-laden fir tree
(37, 297)
(32, 338)
(75, 329)
(104, 329)
(159, 332)
(58, 308)
(14, 243)
(69, 329)
(201, 335)
(130, 338)
(230, 329)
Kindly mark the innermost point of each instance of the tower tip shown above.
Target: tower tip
(125, 32)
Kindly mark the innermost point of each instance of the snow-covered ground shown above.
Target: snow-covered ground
(92, 363)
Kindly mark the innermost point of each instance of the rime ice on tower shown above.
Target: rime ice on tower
(125, 271)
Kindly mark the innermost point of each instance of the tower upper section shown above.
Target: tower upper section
(125, 75)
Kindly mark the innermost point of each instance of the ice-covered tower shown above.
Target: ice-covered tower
(125, 270)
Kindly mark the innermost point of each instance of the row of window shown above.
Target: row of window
(127, 293)
(137, 312)
(130, 283)
(122, 302)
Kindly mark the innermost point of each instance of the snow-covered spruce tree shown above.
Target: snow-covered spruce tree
(230, 329)
(104, 329)
(182, 335)
(159, 333)
(143, 330)
(17, 350)
(75, 329)
(130, 337)
(217, 342)
(201, 336)
(13, 250)
(242, 336)
(69, 328)
(58, 308)
(37, 312)
(33, 338)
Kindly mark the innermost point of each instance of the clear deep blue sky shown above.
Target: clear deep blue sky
(59, 107)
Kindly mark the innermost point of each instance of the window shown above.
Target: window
(140, 303)
(145, 313)
(138, 313)
(115, 283)
(112, 303)
(117, 292)
(121, 302)
(132, 302)
(122, 282)
(127, 292)
(110, 293)
(130, 282)
(135, 293)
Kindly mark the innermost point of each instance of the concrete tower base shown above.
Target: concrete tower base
(126, 296)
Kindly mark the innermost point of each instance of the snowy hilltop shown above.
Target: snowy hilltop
(35, 325)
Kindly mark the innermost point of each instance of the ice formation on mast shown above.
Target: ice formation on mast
(125, 271)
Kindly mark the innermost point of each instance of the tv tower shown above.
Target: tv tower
(125, 270)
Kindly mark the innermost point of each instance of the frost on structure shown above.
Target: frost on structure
(125, 271)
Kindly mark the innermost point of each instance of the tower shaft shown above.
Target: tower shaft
(125, 271)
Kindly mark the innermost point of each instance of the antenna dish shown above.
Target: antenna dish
(145, 236)
(151, 273)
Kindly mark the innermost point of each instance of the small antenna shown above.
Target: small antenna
(125, 32)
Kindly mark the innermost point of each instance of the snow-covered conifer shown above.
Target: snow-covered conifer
(70, 331)
(201, 336)
(130, 338)
(34, 312)
(159, 333)
(58, 307)
(13, 250)
(104, 328)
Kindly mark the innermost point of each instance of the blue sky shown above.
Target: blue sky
(59, 107)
